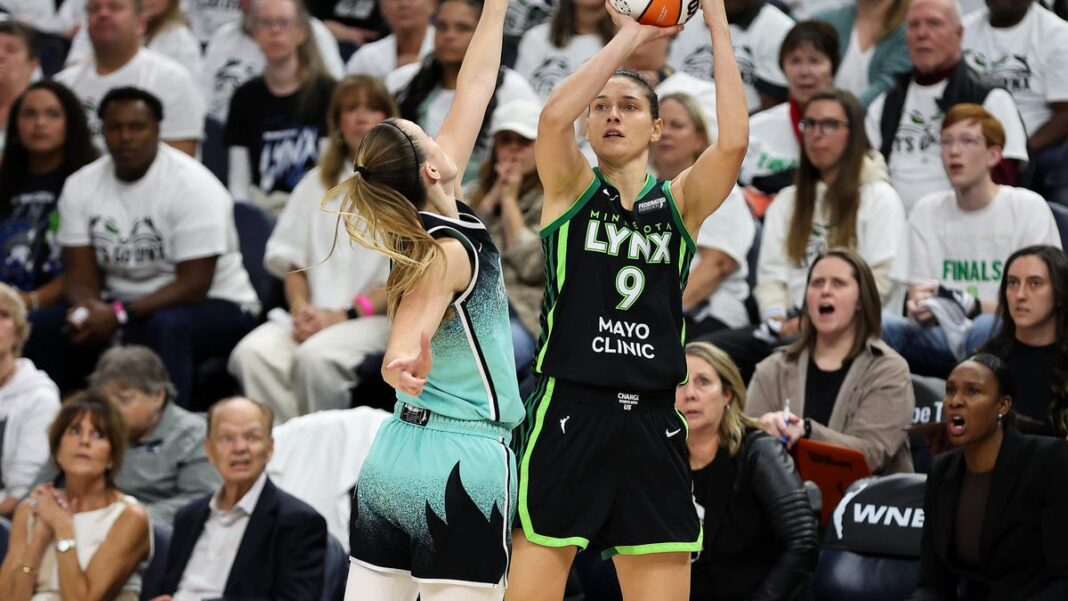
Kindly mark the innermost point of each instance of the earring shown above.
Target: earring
(999, 417)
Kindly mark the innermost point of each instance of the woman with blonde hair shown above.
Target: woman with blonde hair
(308, 362)
(760, 531)
(445, 452)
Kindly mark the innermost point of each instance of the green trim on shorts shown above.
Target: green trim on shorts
(656, 548)
(524, 479)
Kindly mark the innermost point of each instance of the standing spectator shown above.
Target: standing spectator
(715, 292)
(208, 16)
(48, 141)
(411, 40)
(248, 540)
(1023, 47)
(871, 38)
(1033, 335)
(19, 60)
(809, 58)
(278, 119)
(957, 244)
(760, 531)
(843, 385)
(150, 249)
(523, 15)
(352, 22)
(757, 31)
(337, 309)
(507, 196)
(28, 403)
(425, 91)
(841, 199)
(551, 51)
(165, 466)
(87, 539)
(904, 123)
(993, 510)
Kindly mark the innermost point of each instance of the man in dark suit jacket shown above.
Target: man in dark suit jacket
(249, 541)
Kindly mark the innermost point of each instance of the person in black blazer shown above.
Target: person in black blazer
(760, 541)
(279, 556)
(996, 506)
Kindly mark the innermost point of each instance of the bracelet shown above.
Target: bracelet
(25, 569)
(364, 304)
(808, 428)
(120, 313)
(35, 301)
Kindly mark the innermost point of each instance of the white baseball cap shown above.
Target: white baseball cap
(519, 116)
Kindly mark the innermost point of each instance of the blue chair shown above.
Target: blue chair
(335, 570)
(752, 257)
(254, 227)
(871, 549)
(929, 392)
(152, 579)
(5, 533)
(1060, 215)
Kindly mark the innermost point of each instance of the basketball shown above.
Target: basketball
(661, 13)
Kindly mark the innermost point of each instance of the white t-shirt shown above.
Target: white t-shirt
(702, 90)
(207, 16)
(880, 229)
(38, 13)
(437, 105)
(1030, 60)
(916, 158)
(967, 249)
(756, 49)
(141, 230)
(773, 146)
(176, 41)
(379, 58)
(804, 9)
(233, 57)
(183, 106)
(729, 230)
(304, 236)
(545, 65)
(525, 14)
(853, 71)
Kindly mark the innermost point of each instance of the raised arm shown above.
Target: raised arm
(563, 169)
(475, 85)
(700, 189)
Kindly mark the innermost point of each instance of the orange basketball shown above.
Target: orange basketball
(661, 13)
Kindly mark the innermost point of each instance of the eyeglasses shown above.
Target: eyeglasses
(967, 142)
(824, 126)
(273, 22)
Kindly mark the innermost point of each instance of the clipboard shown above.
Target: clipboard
(831, 467)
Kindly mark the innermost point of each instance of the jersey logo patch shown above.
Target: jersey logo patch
(651, 205)
(563, 425)
(671, 433)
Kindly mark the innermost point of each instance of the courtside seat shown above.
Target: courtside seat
(1060, 215)
(929, 392)
(335, 570)
(152, 579)
(871, 549)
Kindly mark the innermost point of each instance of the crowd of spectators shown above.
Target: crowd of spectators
(900, 208)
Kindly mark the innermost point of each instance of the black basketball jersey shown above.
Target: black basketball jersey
(612, 311)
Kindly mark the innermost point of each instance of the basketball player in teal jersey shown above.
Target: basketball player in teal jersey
(604, 457)
(436, 495)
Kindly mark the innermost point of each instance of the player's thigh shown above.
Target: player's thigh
(654, 577)
(537, 573)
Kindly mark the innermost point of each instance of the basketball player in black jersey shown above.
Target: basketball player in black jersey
(603, 449)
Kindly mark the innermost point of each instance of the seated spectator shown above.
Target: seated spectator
(1023, 47)
(48, 139)
(994, 519)
(425, 91)
(115, 28)
(956, 247)
(871, 40)
(757, 31)
(248, 540)
(841, 199)
(551, 51)
(412, 38)
(760, 542)
(507, 196)
(1033, 335)
(150, 250)
(809, 58)
(308, 363)
(522, 17)
(651, 61)
(166, 32)
(276, 121)
(86, 540)
(232, 57)
(715, 293)
(353, 23)
(28, 403)
(165, 466)
(34, 13)
(903, 123)
(19, 60)
(841, 383)
(208, 16)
